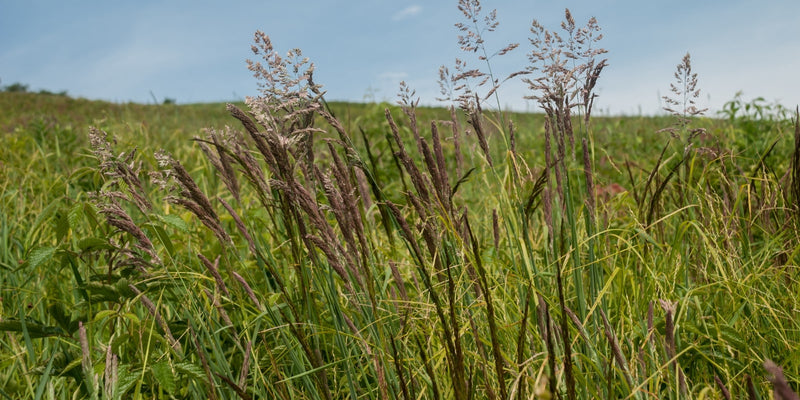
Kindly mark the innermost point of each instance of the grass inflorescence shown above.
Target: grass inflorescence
(299, 249)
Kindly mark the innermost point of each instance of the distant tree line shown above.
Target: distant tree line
(18, 87)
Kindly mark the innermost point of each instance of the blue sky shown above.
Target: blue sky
(195, 51)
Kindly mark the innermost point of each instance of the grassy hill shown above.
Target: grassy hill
(336, 252)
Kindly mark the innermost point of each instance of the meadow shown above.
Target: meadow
(292, 248)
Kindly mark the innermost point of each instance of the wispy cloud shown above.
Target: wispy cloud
(409, 11)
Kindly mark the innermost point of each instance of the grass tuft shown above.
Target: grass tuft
(326, 250)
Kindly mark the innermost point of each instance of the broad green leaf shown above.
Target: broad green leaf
(93, 243)
(163, 236)
(125, 380)
(34, 330)
(174, 221)
(119, 343)
(164, 375)
(193, 371)
(74, 215)
(123, 289)
(101, 292)
(40, 255)
(103, 314)
(132, 317)
(60, 225)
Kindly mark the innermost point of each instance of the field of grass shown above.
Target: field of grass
(291, 248)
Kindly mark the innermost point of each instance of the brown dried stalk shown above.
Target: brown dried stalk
(111, 371)
(420, 184)
(119, 218)
(781, 387)
(725, 392)
(221, 310)
(475, 116)
(444, 179)
(612, 340)
(456, 128)
(248, 347)
(214, 270)
(86, 355)
(669, 341)
(239, 225)
(247, 290)
(189, 194)
(220, 159)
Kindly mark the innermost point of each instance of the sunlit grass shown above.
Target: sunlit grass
(311, 250)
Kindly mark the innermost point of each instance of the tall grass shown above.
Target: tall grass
(312, 254)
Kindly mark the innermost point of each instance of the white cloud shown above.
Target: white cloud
(409, 11)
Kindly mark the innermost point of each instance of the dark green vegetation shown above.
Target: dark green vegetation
(330, 251)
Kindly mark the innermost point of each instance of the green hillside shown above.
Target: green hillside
(325, 250)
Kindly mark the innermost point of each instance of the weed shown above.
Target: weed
(325, 250)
